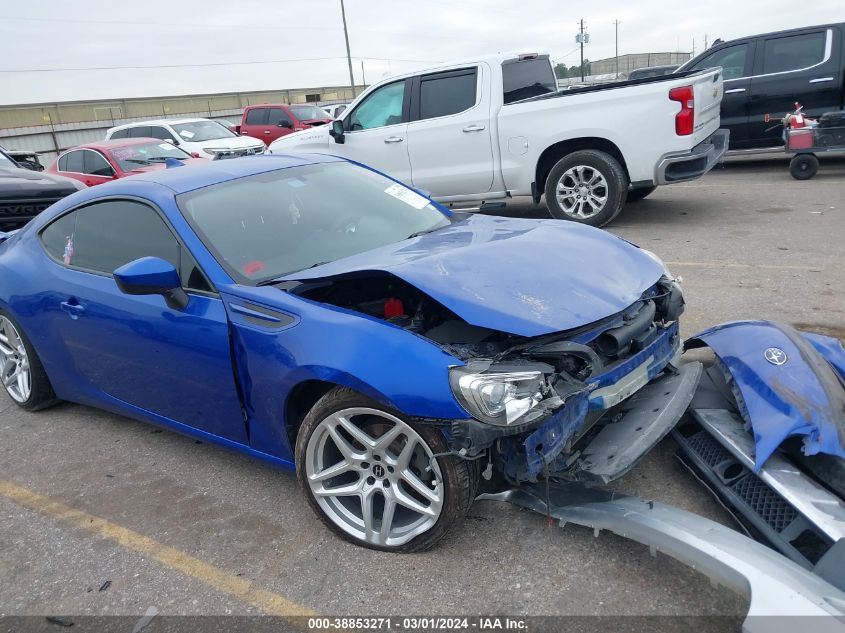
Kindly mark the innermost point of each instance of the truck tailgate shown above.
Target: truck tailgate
(708, 98)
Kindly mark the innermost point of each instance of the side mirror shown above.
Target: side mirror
(152, 276)
(286, 124)
(337, 132)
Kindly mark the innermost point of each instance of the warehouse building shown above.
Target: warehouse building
(50, 128)
(632, 61)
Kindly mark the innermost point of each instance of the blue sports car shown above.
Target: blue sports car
(317, 314)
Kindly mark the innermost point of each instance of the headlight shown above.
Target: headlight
(497, 398)
(214, 150)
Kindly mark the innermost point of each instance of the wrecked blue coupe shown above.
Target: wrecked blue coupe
(319, 315)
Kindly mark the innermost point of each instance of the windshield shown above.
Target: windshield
(135, 156)
(199, 131)
(5, 161)
(265, 226)
(308, 112)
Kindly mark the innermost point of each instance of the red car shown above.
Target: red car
(96, 163)
(270, 121)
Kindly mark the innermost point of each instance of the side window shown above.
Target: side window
(382, 107)
(103, 236)
(782, 54)
(731, 58)
(120, 134)
(277, 116)
(257, 116)
(74, 162)
(142, 131)
(442, 94)
(63, 163)
(96, 165)
(160, 133)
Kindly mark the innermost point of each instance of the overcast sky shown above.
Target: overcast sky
(179, 36)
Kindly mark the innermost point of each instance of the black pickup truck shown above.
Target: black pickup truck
(766, 74)
(25, 193)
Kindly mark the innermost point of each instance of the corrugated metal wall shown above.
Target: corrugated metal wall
(51, 128)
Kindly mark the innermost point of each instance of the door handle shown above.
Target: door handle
(73, 309)
(734, 91)
(473, 128)
(394, 139)
(821, 80)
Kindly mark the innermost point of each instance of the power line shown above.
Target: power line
(205, 65)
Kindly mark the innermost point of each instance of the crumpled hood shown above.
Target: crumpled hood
(525, 277)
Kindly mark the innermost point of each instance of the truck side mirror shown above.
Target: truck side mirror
(337, 132)
(284, 123)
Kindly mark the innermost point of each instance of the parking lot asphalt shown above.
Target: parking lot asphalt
(88, 497)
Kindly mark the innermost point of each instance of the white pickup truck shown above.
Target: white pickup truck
(495, 127)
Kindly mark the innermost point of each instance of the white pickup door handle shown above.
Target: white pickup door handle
(821, 80)
(473, 128)
(394, 139)
(734, 91)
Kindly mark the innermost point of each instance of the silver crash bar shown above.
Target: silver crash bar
(776, 586)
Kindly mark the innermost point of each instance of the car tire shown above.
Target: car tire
(804, 166)
(17, 357)
(635, 195)
(597, 178)
(340, 481)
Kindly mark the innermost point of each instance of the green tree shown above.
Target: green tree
(561, 71)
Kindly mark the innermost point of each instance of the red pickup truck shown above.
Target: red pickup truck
(271, 121)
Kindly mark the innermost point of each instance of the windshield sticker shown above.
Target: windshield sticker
(187, 134)
(406, 195)
(167, 146)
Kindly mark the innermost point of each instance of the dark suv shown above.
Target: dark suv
(767, 74)
(25, 193)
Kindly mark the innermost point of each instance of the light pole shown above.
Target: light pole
(582, 38)
(616, 24)
(348, 54)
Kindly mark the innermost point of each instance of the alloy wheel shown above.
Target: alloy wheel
(15, 373)
(374, 476)
(582, 192)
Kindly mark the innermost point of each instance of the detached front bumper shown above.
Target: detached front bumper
(698, 161)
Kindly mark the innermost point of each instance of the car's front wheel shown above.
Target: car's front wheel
(374, 476)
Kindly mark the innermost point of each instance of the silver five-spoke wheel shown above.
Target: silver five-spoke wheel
(582, 192)
(15, 371)
(373, 476)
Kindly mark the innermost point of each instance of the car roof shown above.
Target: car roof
(196, 176)
(158, 122)
(118, 142)
(784, 32)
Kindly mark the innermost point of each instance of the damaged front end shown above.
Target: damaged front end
(585, 403)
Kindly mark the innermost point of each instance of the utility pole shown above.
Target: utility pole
(582, 39)
(363, 76)
(348, 54)
(616, 24)
(705, 41)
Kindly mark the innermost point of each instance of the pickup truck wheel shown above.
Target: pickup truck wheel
(372, 477)
(587, 186)
(635, 195)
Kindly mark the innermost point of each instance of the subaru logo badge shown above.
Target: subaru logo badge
(775, 355)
